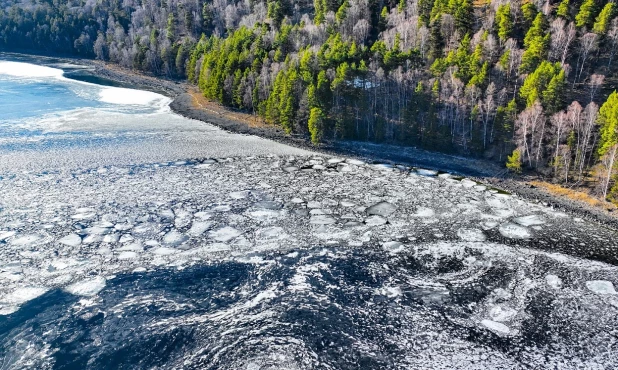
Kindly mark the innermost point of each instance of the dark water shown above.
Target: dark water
(313, 309)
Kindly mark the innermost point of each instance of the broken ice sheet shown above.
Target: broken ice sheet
(374, 245)
(88, 287)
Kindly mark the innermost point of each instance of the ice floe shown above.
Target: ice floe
(381, 209)
(88, 287)
(601, 287)
(471, 235)
(225, 234)
(510, 230)
(496, 327)
(12, 301)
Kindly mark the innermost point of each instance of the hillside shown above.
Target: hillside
(528, 84)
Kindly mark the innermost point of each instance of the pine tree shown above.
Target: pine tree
(602, 22)
(316, 125)
(237, 92)
(563, 9)
(504, 59)
(585, 16)
(608, 121)
(206, 16)
(537, 43)
(539, 25)
(170, 29)
(436, 40)
(342, 11)
(513, 162)
(424, 11)
(536, 86)
(383, 18)
(554, 93)
(529, 11)
(440, 7)
(608, 142)
(320, 12)
(464, 16)
(504, 21)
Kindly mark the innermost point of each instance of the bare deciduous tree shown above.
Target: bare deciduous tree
(587, 44)
(562, 35)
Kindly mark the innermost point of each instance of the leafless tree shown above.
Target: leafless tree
(609, 163)
(612, 37)
(530, 132)
(559, 124)
(587, 44)
(361, 31)
(487, 111)
(595, 83)
(562, 35)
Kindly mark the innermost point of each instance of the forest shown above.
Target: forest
(529, 84)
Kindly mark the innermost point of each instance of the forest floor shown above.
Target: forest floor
(189, 102)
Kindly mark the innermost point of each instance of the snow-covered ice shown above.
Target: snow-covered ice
(88, 287)
(601, 287)
(224, 234)
(496, 326)
(373, 250)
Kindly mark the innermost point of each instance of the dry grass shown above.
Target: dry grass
(201, 102)
(578, 196)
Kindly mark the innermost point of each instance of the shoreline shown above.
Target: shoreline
(184, 103)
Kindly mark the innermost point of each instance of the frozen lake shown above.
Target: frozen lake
(131, 237)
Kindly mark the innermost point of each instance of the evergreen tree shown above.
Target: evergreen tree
(316, 125)
(514, 161)
(539, 25)
(170, 30)
(602, 22)
(529, 12)
(424, 11)
(320, 12)
(207, 16)
(554, 93)
(436, 40)
(342, 11)
(504, 21)
(464, 16)
(586, 13)
(608, 141)
(545, 84)
(537, 43)
(608, 122)
(383, 19)
(563, 9)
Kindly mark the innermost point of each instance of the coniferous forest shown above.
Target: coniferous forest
(526, 83)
